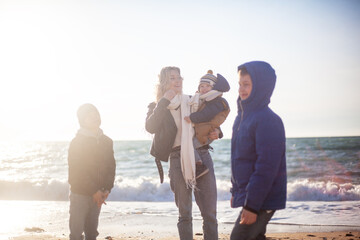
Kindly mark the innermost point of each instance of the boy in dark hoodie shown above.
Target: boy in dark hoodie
(91, 173)
(258, 162)
(209, 110)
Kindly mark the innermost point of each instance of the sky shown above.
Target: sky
(57, 55)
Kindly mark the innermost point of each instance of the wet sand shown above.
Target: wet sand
(332, 235)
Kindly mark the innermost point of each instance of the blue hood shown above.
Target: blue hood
(222, 84)
(263, 80)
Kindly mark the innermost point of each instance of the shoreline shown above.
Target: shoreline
(164, 228)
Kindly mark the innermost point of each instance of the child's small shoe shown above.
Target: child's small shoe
(201, 170)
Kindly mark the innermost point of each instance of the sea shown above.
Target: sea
(323, 185)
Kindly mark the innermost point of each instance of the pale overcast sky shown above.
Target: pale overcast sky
(56, 55)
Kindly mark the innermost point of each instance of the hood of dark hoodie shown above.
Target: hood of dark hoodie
(263, 79)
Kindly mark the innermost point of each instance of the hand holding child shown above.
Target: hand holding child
(169, 94)
(214, 134)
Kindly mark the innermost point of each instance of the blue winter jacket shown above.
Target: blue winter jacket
(258, 161)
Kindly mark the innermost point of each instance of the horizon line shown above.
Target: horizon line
(134, 140)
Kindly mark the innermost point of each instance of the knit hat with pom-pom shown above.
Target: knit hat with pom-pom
(218, 83)
(208, 78)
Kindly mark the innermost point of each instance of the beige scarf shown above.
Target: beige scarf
(196, 100)
(187, 157)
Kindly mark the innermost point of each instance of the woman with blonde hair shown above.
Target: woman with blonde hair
(173, 140)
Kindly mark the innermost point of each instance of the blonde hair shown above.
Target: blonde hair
(164, 81)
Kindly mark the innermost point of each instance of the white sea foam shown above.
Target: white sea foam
(150, 189)
(141, 189)
(305, 190)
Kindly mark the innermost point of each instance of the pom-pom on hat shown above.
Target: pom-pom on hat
(208, 78)
(218, 83)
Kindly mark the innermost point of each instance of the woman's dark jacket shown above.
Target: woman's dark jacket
(91, 164)
(160, 122)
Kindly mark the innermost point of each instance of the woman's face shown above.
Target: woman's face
(175, 82)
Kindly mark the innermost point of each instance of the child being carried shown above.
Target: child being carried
(208, 111)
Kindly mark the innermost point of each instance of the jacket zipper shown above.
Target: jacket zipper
(242, 115)
(238, 128)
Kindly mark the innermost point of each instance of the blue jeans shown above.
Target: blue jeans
(253, 231)
(84, 217)
(205, 197)
(197, 145)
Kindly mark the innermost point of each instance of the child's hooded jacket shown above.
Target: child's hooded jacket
(258, 160)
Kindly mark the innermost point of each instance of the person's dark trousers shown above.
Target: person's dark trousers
(255, 231)
(84, 217)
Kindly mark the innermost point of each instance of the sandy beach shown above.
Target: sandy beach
(164, 228)
(337, 235)
(157, 221)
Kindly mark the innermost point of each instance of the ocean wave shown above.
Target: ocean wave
(52, 190)
(125, 189)
(150, 189)
(141, 189)
(306, 190)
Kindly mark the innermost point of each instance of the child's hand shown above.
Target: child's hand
(104, 196)
(187, 119)
(248, 217)
(98, 199)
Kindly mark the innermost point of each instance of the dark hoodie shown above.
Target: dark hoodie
(258, 161)
(91, 163)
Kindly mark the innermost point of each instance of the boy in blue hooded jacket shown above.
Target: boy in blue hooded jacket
(258, 161)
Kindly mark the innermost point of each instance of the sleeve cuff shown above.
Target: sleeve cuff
(221, 135)
(105, 189)
(251, 210)
(191, 116)
(163, 102)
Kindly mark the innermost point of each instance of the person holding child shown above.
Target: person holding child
(208, 111)
(91, 173)
(258, 161)
(173, 140)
